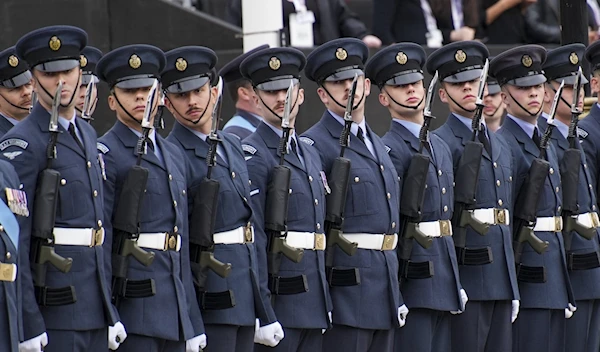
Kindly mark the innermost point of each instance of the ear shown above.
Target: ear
(383, 99)
(214, 93)
(443, 96)
(242, 93)
(504, 95)
(112, 102)
(300, 96)
(323, 95)
(367, 87)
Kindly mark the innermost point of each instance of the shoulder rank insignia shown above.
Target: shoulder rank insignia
(102, 148)
(17, 201)
(12, 155)
(581, 132)
(14, 141)
(307, 140)
(249, 149)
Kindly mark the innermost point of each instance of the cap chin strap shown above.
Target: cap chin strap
(123, 108)
(273, 112)
(455, 102)
(343, 106)
(561, 97)
(521, 106)
(495, 111)
(14, 105)
(402, 105)
(195, 122)
(52, 97)
(92, 108)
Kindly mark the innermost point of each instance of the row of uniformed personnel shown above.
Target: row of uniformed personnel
(334, 302)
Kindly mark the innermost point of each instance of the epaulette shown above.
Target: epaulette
(307, 140)
(249, 149)
(581, 132)
(102, 148)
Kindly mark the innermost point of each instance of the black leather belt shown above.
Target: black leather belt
(343, 277)
(531, 274)
(474, 256)
(139, 288)
(216, 300)
(583, 261)
(288, 285)
(415, 270)
(50, 296)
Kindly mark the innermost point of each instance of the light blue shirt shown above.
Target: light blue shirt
(564, 129)
(354, 130)
(202, 136)
(292, 136)
(11, 120)
(527, 127)
(469, 123)
(65, 124)
(415, 129)
(152, 136)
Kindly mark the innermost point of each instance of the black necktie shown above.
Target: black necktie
(536, 137)
(484, 140)
(74, 135)
(293, 146)
(360, 135)
(150, 144)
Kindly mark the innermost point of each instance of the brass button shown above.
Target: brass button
(232, 174)
(8, 255)
(551, 171)
(389, 196)
(63, 182)
(175, 203)
(183, 192)
(500, 202)
(509, 178)
(445, 208)
(590, 185)
(99, 223)
(175, 229)
(316, 202)
(585, 166)
(381, 167)
(1, 228)
(443, 190)
(426, 186)
(89, 164)
(356, 179)
(249, 182)
(559, 208)
(170, 177)
(594, 207)
(498, 183)
(310, 179)
(453, 184)
(290, 191)
(495, 165)
(398, 178)
(393, 224)
(439, 172)
(245, 199)
(95, 193)
(318, 226)
(557, 189)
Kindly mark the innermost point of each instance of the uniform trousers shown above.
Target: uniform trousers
(426, 330)
(540, 330)
(229, 338)
(296, 340)
(350, 339)
(141, 343)
(484, 326)
(77, 341)
(583, 328)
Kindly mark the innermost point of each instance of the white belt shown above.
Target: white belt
(161, 241)
(492, 216)
(8, 272)
(436, 228)
(241, 235)
(306, 240)
(589, 220)
(373, 241)
(552, 224)
(78, 237)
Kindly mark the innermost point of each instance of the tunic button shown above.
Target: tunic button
(551, 171)
(316, 202)
(63, 182)
(393, 224)
(381, 167)
(8, 255)
(443, 190)
(170, 177)
(356, 179)
(99, 223)
(175, 229)
(585, 166)
(590, 185)
(398, 178)
(453, 184)
(175, 203)
(445, 208)
(318, 226)
(89, 164)
(310, 179)
(1, 228)
(593, 207)
(439, 172)
(183, 192)
(389, 196)
(559, 208)
(426, 186)
(245, 199)
(95, 193)
(509, 178)
(232, 174)
(498, 183)
(500, 202)
(249, 182)
(557, 189)
(495, 165)
(290, 191)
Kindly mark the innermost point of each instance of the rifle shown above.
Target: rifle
(44, 214)
(126, 222)
(87, 102)
(466, 176)
(569, 172)
(277, 199)
(528, 199)
(336, 199)
(204, 212)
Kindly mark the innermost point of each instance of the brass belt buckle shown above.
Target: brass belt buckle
(8, 272)
(319, 242)
(499, 216)
(595, 220)
(248, 234)
(445, 228)
(388, 243)
(558, 224)
(97, 237)
(171, 241)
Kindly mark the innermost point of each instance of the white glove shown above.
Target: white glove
(463, 302)
(569, 311)
(402, 313)
(116, 335)
(330, 322)
(34, 344)
(195, 344)
(515, 310)
(269, 335)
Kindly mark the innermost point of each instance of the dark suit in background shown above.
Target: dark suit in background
(396, 22)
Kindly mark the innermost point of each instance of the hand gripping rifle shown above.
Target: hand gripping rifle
(336, 200)
(569, 171)
(44, 217)
(528, 198)
(87, 102)
(466, 176)
(204, 212)
(126, 222)
(278, 193)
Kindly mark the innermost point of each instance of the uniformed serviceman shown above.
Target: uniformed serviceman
(248, 114)
(367, 304)
(494, 110)
(75, 305)
(429, 279)
(16, 87)
(546, 295)
(88, 61)
(160, 311)
(229, 305)
(582, 254)
(486, 263)
(300, 290)
(589, 127)
(12, 205)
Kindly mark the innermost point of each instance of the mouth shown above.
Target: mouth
(534, 103)
(412, 100)
(489, 109)
(194, 112)
(469, 97)
(140, 108)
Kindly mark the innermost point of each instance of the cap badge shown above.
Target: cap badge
(341, 54)
(573, 58)
(54, 43)
(181, 64)
(460, 56)
(13, 61)
(401, 58)
(274, 63)
(135, 62)
(83, 61)
(527, 61)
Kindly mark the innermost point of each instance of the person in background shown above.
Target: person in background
(494, 110)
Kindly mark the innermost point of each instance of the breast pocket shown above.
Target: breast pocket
(72, 192)
(154, 200)
(362, 193)
(298, 197)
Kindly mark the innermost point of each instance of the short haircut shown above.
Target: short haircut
(232, 87)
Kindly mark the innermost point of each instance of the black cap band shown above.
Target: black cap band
(518, 71)
(172, 76)
(394, 70)
(453, 67)
(334, 66)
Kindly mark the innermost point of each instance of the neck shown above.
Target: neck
(244, 105)
(463, 113)
(66, 112)
(530, 119)
(564, 119)
(492, 124)
(415, 118)
(19, 117)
